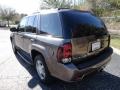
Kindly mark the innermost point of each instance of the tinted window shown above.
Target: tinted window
(78, 24)
(35, 25)
(23, 24)
(50, 24)
(35, 22)
(30, 24)
(39, 22)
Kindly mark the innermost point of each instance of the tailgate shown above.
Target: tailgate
(89, 45)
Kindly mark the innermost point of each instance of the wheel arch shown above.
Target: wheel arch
(36, 52)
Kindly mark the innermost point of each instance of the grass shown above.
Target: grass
(115, 41)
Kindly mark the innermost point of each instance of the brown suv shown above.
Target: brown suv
(63, 43)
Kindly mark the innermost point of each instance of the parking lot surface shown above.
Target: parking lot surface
(15, 74)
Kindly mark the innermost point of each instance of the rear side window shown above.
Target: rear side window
(78, 24)
(50, 24)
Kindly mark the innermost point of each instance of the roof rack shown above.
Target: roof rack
(62, 8)
(35, 12)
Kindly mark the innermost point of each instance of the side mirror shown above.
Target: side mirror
(13, 29)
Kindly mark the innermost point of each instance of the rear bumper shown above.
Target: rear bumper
(82, 69)
(79, 74)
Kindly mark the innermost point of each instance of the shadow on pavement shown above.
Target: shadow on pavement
(99, 81)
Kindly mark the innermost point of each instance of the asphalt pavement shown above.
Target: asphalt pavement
(15, 74)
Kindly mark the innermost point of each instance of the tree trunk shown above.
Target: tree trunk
(8, 23)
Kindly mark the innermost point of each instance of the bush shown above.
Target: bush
(17, 22)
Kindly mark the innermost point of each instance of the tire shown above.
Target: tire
(14, 47)
(42, 70)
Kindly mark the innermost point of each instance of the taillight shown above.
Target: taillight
(64, 53)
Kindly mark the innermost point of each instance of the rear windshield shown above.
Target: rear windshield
(78, 24)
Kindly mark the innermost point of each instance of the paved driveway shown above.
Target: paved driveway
(15, 74)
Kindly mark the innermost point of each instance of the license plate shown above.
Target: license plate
(96, 45)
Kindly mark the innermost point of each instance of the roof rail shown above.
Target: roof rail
(62, 8)
(35, 12)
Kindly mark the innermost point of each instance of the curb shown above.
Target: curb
(115, 50)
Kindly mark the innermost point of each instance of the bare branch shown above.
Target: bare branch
(7, 13)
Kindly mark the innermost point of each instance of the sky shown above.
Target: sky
(22, 6)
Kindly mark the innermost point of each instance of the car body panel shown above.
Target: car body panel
(19, 39)
(82, 46)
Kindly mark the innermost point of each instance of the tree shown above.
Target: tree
(100, 7)
(114, 3)
(7, 13)
(56, 4)
(18, 17)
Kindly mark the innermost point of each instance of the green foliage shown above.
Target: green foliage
(115, 41)
(114, 3)
(99, 11)
(106, 7)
